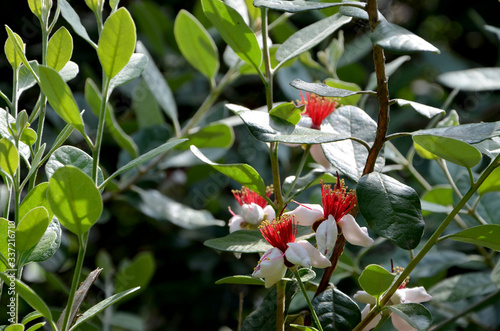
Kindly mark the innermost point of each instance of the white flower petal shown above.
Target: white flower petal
(318, 260)
(353, 233)
(271, 267)
(269, 213)
(416, 294)
(306, 214)
(319, 156)
(400, 324)
(373, 323)
(364, 297)
(236, 223)
(297, 254)
(326, 236)
(252, 213)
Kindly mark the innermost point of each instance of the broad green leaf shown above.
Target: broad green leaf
(349, 156)
(216, 135)
(93, 98)
(438, 199)
(462, 286)
(29, 136)
(9, 157)
(70, 155)
(117, 42)
(375, 280)
(31, 228)
(160, 207)
(394, 38)
(323, 89)
(491, 184)
(391, 209)
(11, 52)
(37, 196)
(336, 311)
(60, 49)
(482, 235)
(145, 157)
(15, 327)
(423, 153)
(346, 86)
(41, 8)
(74, 199)
(469, 133)
(235, 32)
(288, 112)
(31, 317)
(7, 229)
(422, 109)
(36, 326)
(273, 129)
(196, 44)
(101, 306)
(73, 19)
(478, 79)
(310, 36)
(300, 5)
(158, 86)
(264, 317)
(137, 273)
(414, 313)
(48, 244)
(242, 173)
(452, 150)
(31, 298)
(134, 68)
(95, 5)
(240, 279)
(60, 97)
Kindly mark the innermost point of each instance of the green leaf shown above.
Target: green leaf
(349, 156)
(74, 199)
(482, 235)
(31, 228)
(158, 86)
(7, 229)
(375, 280)
(132, 70)
(394, 38)
(336, 311)
(310, 36)
(69, 155)
(438, 200)
(31, 298)
(48, 244)
(196, 44)
(240, 279)
(145, 157)
(452, 150)
(117, 42)
(414, 313)
(60, 97)
(7, 122)
(160, 207)
(462, 286)
(73, 19)
(288, 112)
(101, 306)
(235, 32)
(37, 196)
(323, 89)
(26, 79)
(15, 327)
(422, 109)
(264, 317)
(469, 133)
(391, 209)
(491, 184)
(300, 5)
(314, 177)
(9, 157)
(11, 52)
(273, 129)
(36, 326)
(95, 5)
(242, 173)
(215, 135)
(31, 317)
(346, 86)
(136, 273)
(60, 49)
(93, 98)
(478, 79)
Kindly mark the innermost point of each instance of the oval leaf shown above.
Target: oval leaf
(31, 228)
(11, 51)
(391, 209)
(74, 199)
(9, 157)
(336, 311)
(375, 280)
(482, 235)
(117, 42)
(235, 32)
(48, 244)
(478, 79)
(420, 108)
(216, 135)
(288, 112)
(241, 279)
(394, 38)
(414, 313)
(60, 49)
(452, 150)
(137, 273)
(196, 44)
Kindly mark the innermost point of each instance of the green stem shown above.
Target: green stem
(276, 177)
(309, 303)
(82, 247)
(280, 305)
(299, 170)
(429, 244)
(268, 74)
(100, 128)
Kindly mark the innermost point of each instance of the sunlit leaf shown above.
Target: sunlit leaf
(60, 49)
(11, 52)
(375, 280)
(482, 235)
(31, 228)
(9, 157)
(450, 149)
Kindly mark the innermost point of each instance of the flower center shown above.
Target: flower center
(280, 232)
(247, 196)
(337, 202)
(318, 108)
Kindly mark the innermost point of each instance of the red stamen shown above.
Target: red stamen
(280, 232)
(247, 196)
(318, 108)
(337, 202)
